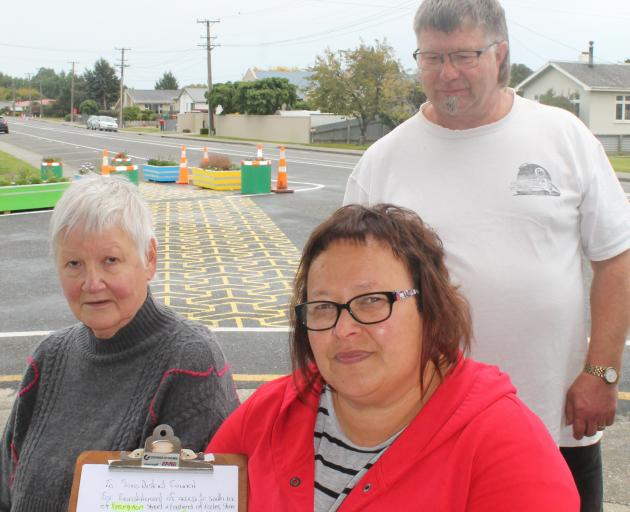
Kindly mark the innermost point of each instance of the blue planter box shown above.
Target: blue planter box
(167, 174)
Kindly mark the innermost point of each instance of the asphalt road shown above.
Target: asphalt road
(30, 298)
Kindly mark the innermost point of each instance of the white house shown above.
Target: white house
(160, 101)
(192, 99)
(600, 92)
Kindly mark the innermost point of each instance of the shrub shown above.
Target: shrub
(4, 183)
(203, 131)
(186, 130)
(217, 162)
(88, 107)
(35, 180)
(50, 159)
(161, 162)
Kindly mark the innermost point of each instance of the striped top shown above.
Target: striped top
(339, 463)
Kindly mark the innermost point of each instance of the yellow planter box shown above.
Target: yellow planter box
(216, 180)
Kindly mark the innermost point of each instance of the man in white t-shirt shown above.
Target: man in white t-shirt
(518, 192)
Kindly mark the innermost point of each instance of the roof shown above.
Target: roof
(298, 78)
(153, 96)
(196, 93)
(599, 77)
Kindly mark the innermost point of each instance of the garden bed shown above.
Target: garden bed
(216, 180)
(160, 173)
(31, 197)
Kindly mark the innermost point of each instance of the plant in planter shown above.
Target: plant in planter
(120, 158)
(217, 173)
(121, 164)
(50, 165)
(30, 192)
(160, 170)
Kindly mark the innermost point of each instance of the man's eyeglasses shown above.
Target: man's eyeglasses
(461, 59)
(368, 308)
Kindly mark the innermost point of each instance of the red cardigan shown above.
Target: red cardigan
(473, 447)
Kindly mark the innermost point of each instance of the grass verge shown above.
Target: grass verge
(620, 163)
(11, 166)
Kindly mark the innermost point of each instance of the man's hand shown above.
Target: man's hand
(591, 405)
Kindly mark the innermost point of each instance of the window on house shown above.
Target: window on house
(623, 108)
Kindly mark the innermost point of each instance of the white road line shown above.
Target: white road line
(31, 334)
(323, 163)
(23, 213)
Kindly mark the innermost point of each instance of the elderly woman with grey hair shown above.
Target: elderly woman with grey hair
(129, 364)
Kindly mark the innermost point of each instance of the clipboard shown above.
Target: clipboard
(162, 456)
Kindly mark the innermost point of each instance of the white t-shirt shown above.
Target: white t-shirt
(516, 203)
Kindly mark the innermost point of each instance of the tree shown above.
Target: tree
(262, 97)
(366, 83)
(168, 81)
(224, 95)
(88, 107)
(551, 98)
(102, 83)
(266, 96)
(518, 73)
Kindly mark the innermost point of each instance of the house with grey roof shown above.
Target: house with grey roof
(600, 93)
(160, 101)
(192, 99)
(299, 78)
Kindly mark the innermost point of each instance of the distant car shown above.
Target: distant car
(102, 123)
(4, 125)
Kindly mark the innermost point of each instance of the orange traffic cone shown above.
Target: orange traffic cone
(259, 154)
(183, 168)
(282, 181)
(205, 160)
(105, 163)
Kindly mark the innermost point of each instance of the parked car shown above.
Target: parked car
(102, 123)
(4, 125)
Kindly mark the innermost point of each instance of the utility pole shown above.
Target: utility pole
(30, 95)
(122, 81)
(209, 47)
(41, 98)
(13, 81)
(72, 91)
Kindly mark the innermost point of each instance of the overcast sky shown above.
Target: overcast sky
(163, 35)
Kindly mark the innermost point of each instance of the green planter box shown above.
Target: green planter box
(216, 180)
(131, 175)
(256, 177)
(31, 197)
(52, 168)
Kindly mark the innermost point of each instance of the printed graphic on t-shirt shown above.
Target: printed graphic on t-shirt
(533, 180)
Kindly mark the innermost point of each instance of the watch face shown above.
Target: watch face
(610, 374)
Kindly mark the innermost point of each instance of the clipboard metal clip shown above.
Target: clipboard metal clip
(162, 450)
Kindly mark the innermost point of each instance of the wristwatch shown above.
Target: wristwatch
(608, 373)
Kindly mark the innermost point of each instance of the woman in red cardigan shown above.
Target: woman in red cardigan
(383, 411)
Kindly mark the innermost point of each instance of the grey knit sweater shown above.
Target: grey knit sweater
(81, 393)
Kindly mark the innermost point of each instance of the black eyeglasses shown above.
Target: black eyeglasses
(461, 59)
(368, 308)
